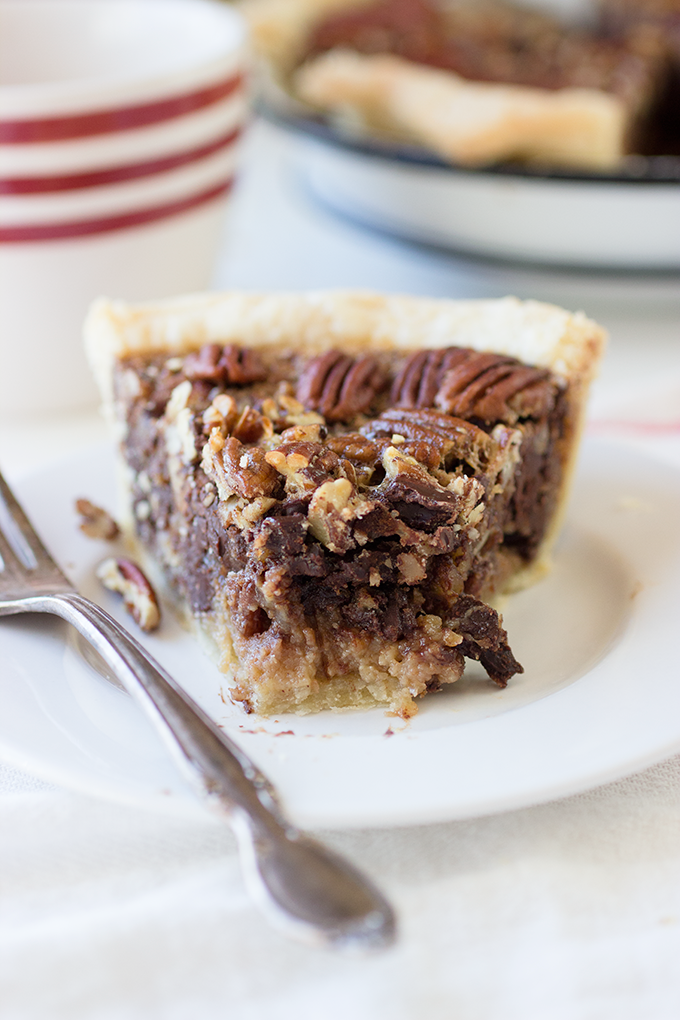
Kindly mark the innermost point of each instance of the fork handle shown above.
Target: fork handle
(302, 886)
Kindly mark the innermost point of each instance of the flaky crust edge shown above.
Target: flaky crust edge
(569, 344)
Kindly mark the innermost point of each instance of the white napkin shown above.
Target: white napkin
(566, 911)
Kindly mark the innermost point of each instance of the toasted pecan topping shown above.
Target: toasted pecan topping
(464, 383)
(231, 365)
(339, 387)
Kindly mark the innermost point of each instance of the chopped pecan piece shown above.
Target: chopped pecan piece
(248, 615)
(339, 387)
(139, 598)
(95, 521)
(359, 452)
(248, 425)
(251, 426)
(329, 514)
(246, 470)
(304, 465)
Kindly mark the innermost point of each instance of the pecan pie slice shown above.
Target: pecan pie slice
(334, 486)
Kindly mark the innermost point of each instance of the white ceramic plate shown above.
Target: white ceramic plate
(600, 697)
(629, 221)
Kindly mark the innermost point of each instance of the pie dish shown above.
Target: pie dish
(476, 83)
(335, 485)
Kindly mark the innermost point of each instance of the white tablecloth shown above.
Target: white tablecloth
(565, 911)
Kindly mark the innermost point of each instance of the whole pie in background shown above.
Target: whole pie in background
(482, 82)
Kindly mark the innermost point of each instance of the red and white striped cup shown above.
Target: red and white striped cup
(119, 130)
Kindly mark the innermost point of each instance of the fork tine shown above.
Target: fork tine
(9, 562)
(20, 546)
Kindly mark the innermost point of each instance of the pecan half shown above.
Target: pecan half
(96, 522)
(139, 598)
(470, 384)
(432, 438)
(339, 387)
(231, 365)
(242, 365)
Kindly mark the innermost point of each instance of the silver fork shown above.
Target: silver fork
(303, 887)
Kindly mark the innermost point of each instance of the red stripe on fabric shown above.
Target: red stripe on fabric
(106, 224)
(113, 175)
(123, 118)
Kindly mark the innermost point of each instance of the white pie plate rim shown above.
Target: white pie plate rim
(624, 222)
(600, 698)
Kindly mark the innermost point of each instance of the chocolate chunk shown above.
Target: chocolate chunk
(389, 612)
(284, 537)
(283, 540)
(483, 638)
(421, 506)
